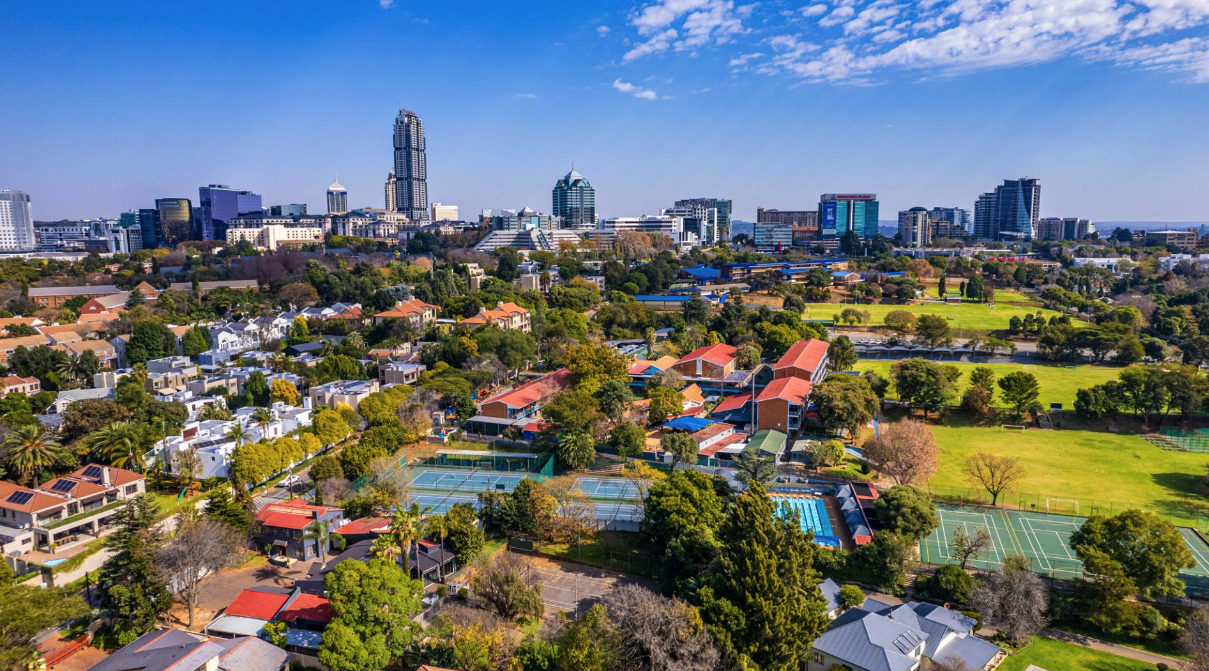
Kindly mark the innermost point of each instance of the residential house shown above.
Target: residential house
(21, 385)
(204, 288)
(342, 391)
(170, 374)
(527, 399)
(235, 337)
(395, 372)
(877, 636)
(54, 297)
(105, 305)
(105, 351)
(281, 528)
(210, 439)
(782, 404)
(251, 610)
(415, 312)
(713, 362)
(179, 650)
(66, 398)
(8, 345)
(75, 508)
(32, 322)
(507, 316)
(805, 359)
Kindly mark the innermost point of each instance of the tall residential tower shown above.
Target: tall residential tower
(411, 167)
(16, 220)
(1010, 212)
(574, 200)
(390, 192)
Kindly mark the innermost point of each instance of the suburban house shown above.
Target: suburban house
(878, 636)
(54, 297)
(179, 650)
(397, 372)
(527, 399)
(104, 350)
(782, 404)
(281, 528)
(416, 312)
(75, 508)
(104, 305)
(8, 345)
(429, 562)
(204, 288)
(66, 398)
(713, 362)
(342, 391)
(21, 385)
(805, 359)
(209, 438)
(507, 316)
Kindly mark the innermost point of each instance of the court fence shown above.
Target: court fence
(1184, 440)
(1060, 504)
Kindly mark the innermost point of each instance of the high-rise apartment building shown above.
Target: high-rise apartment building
(391, 185)
(443, 212)
(176, 219)
(843, 212)
(337, 199)
(723, 209)
(950, 222)
(219, 205)
(914, 228)
(985, 212)
(16, 220)
(574, 200)
(1011, 212)
(411, 167)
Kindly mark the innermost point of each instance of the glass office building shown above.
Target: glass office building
(219, 205)
(176, 219)
(574, 200)
(843, 212)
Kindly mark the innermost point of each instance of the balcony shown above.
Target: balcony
(80, 517)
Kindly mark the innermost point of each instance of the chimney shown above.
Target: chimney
(105, 479)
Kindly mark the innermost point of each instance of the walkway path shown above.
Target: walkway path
(1121, 650)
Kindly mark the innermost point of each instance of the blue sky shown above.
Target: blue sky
(110, 105)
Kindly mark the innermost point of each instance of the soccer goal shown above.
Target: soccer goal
(1062, 506)
(1029, 366)
(1012, 427)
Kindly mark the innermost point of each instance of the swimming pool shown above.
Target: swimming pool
(812, 515)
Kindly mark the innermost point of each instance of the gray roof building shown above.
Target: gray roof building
(183, 651)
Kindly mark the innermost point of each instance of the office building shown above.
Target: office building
(128, 219)
(699, 221)
(950, 222)
(914, 228)
(1011, 212)
(522, 220)
(337, 199)
(291, 210)
(723, 209)
(798, 218)
(390, 192)
(64, 235)
(771, 237)
(16, 220)
(664, 225)
(1182, 239)
(219, 205)
(574, 200)
(843, 212)
(411, 167)
(152, 228)
(443, 212)
(1064, 228)
(271, 236)
(985, 209)
(176, 219)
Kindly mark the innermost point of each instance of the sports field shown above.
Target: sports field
(964, 319)
(1058, 383)
(1044, 539)
(1110, 468)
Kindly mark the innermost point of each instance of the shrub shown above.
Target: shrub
(442, 590)
(950, 584)
(463, 593)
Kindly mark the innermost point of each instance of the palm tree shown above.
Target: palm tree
(121, 444)
(237, 433)
(30, 451)
(263, 417)
(69, 368)
(384, 548)
(319, 532)
(439, 525)
(649, 337)
(277, 363)
(406, 526)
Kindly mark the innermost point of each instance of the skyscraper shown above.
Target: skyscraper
(390, 192)
(985, 209)
(220, 204)
(411, 167)
(574, 200)
(843, 212)
(152, 228)
(721, 221)
(1010, 212)
(914, 228)
(176, 219)
(337, 199)
(16, 220)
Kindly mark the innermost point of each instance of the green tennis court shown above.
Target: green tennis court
(1044, 539)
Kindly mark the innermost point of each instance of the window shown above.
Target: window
(816, 656)
(131, 489)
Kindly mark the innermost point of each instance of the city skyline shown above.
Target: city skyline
(763, 105)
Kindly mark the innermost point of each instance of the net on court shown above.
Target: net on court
(607, 488)
(466, 481)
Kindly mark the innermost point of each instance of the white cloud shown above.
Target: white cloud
(656, 44)
(603, 30)
(742, 59)
(1188, 57)
(876, 13)
(636, 91)
(837, 16)
(386, 4)
(526, 96)
(814, 10)
(701, 22)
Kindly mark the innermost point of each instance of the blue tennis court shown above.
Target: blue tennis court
(467, 481)
(607, 488)
(812, 515)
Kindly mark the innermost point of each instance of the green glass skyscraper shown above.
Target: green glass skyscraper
(574, 200)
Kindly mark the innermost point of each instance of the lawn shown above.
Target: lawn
(1058, 384)
(1050, 654)
(1072, 463)
(965, 319)
(616, 550)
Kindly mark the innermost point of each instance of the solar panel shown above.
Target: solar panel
(63, 485)
(92, 472)
(20, 497)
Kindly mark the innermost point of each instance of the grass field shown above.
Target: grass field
(1050, 654)
(1117, 468)
(1058, 384)
(965, 318)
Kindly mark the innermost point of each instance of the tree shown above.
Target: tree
(1013, 599)
(572, 411)
(933, 330)
(576, 450)
(593, 364)
(614, 399)
(373, 603)
(665, 402)
(256, 388)
(681, 446)
(754, 467)
(628, 439)
(851, 596)
(130, 585)
(824, 453)
(922, 384)
(640, 476)
(200, 549)
(221, 507)
(899, 321)
(841, 355)
(591, 644)
(761, 598)
(150, 340)
(187, 465)
(977, 401)
(464, 535)
(1020, 390)
(1149, 550)
(299, 295)
(320, 532)
(1195, 639)
(658, 633)
(284, 391)
(907, 511)
(844, 401)
(26, 612)
(30, 451)
(905, 452)
(121, 444)
(996, 474)
(330, 427)
(195, 341)
(965, 547)
(983, 376)
(884, 561)
(509, 587)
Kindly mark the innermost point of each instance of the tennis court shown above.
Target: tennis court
(607, 488)
(466, 481)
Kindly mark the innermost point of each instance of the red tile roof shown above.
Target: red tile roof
(792, 389)
(260, 605)
(402, 309)
(723, 443)
(732, 403)
(804, 354)
(117, 476)
(37, 500)
(308, 607)
(533, 390)
(365, 525)
(296, 514)
(720, 354)
(712, 430)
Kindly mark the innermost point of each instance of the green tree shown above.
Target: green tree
(130, 586)
(665, 402)
(26, 612)
(465, 536)
(682, 514)
(884, 561)
(324, 468)
(841, 355)
(330, 427)
(899, 321)
(150, 340)
(681, 446)
(195, 341)
(28, 451)
(591, 644)
(628, 439)
(593, 364)
(1019, 390)
(298, 332)
(121, 444)
(922, 384)
(572, 411)
(614, 399)
(983, 376)
(221, 507)
(576, 450)
(373, 603)
(851, 596)
(1149, 550)
(933, 330)
(824, 453)
(762, 599)
(844, 401)
(257, 389)
(907, 511)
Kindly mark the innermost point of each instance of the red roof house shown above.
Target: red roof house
(806, 359)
